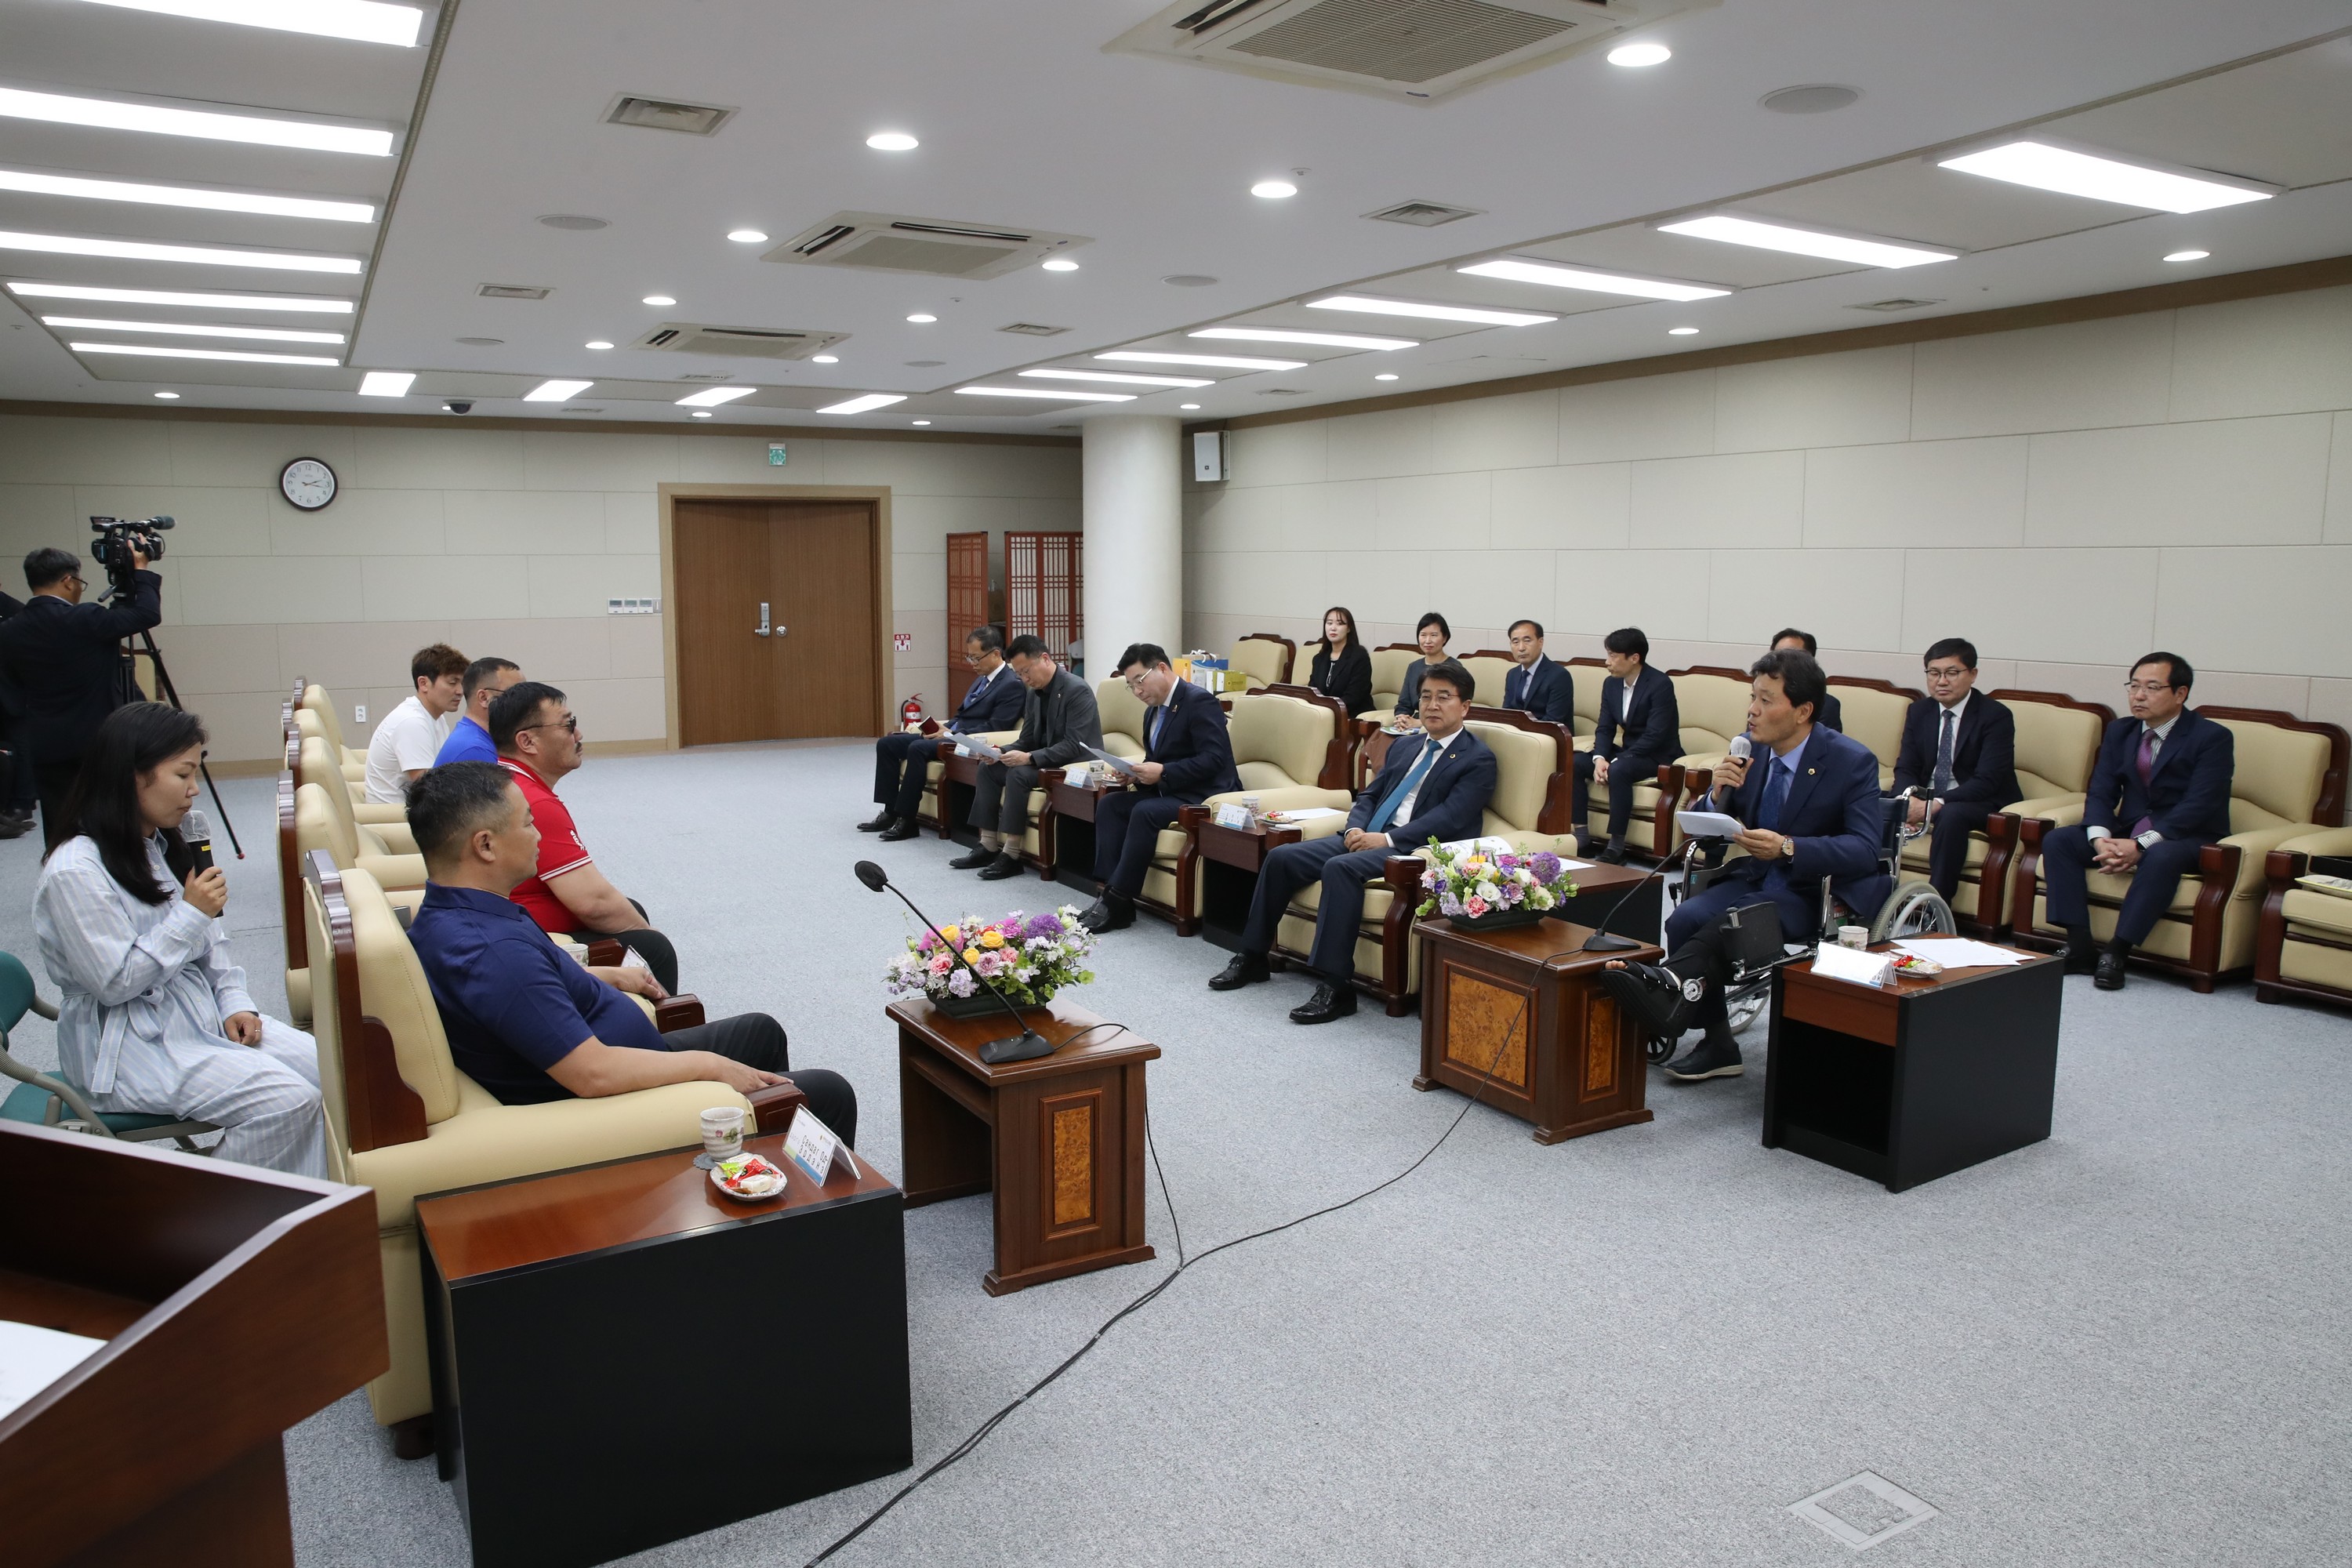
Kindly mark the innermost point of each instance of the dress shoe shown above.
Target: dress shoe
(1611, 854)
(901, 830)
(1245, 968)
(2113, 962)
(14, 827)
(2082, 953)
(1004, 864)
(1713, 1057)
(1110, 913)
(1332, 1000)
(879, 824)
(1660, 1001)
(973, 860)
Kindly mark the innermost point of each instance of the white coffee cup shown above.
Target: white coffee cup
(1856, 937)
(722, 1132)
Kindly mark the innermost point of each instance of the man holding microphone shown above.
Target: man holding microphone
(63, 659)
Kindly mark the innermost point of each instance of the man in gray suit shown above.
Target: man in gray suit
(1058, 724)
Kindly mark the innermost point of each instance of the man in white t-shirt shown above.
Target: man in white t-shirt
(409, 737)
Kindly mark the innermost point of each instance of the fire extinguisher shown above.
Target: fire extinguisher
(911, 711)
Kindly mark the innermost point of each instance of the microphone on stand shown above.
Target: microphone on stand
(1028, 1045)
(196, 833)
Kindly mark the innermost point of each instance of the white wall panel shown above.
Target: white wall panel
(1586, 507)
(2251, 482)
(2074, 377)
(2073, 606)
(2285, 353)
(1663, 592)
(2338, 528)
(1747, 499)
(1821, 400)
(1515, 432)
(1846, 598)
(1646, 417)
(1376, 445)
(2277, 611)
(1927, 493)
(1431, 511)
(1278, 453)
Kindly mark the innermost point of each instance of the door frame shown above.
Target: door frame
(667, 495)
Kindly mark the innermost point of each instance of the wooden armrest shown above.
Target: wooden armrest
(774, 1106)
(1404, 872)
(677, 1013)
(606, 953)
(380, 1108)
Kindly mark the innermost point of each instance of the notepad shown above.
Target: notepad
(1126, 768)
(1959, 952)
(973, 746)
(32, 1357)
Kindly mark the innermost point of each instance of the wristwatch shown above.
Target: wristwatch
(1788, 849)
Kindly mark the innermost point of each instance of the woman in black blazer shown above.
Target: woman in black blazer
(1343, 667)
(1432, 634)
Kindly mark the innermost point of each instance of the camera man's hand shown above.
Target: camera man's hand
(208, 891)
(138, 559)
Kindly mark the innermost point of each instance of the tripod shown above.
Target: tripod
(144, 642)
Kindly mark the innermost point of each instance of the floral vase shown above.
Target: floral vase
(1498, 919)
(980, 1003)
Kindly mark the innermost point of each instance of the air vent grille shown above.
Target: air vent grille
(1423, 215)
(1400, 40)
(512, 291)
(1282, 392)
(666, 114)
(738, 342)
(1033, 329)
(942, 247)
(707, 375)
(1891, 306)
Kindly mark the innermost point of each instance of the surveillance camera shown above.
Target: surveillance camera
(458, 406)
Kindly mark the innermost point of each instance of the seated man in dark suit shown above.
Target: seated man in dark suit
(1641, 730)
(1537, 685)
(526, 1022)
(2159, 793)
(1187, 757)
(1058, 722)
(1436, 789)
(902, 762)
(1810, 799)
(1832, 714)
(1958, 761)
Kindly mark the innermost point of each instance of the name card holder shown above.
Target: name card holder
(1857, 967)
(816, 1150)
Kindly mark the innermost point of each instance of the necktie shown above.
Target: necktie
(1776, 790)
(2145, 765)
(1389, 807)
(1944, 753)
(1151, 730)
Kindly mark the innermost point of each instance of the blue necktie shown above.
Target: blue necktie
(1776, 792)
(1412, 782)
(1152, 728)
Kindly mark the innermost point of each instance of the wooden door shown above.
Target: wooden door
(817, 670)
(967, 606)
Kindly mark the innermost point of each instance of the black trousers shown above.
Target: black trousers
(646, 943)
(1627, 772)
(54, 782)
(1001, 802)
(901, 763)
(1127, 830)
(1948, 851)
(758, 1041)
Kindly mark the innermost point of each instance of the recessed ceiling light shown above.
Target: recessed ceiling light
(1072, 396)
(387, 383)
(919, 421)
(596, 343)
(1809, 98)
(1214, 362)
(824, 359)
(1273, 190)
(108, 115)
(166, 394)
(1116, 378)
(308, 304)
(1553, 275)
(2189, 255)
(703, 413)
(1431, 313)
(362, 21)
(1059, 264)
(922, 318)
(892, 142)
(193, 330)
(1385, 375)
(747, 237)
(556, 390)
(143, 250)
(156, 351)
(712, 396)
(866, 403)
(1187, 407)
(576, 223)
(1325, 340)
(1636, 55)
(35, 184)
(1682, 331)
(658, 300)
(2051, 168)
(1806, 242)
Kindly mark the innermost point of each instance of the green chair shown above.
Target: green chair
(51, 1101)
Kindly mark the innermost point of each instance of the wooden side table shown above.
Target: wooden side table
(1073, 807)
(624, 1356)
(958, 776)
(1906, 1085)
(1059, 1140)
(1517, 1017)
(1241, 850)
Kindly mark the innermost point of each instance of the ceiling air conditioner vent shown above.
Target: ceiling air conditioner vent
(707, 375)
(666, 114)
(1416, 50)
(1891, 306)
(741, 342)
(1282, 392)
(942, 247)
(512, 291)
(1032, 329)
(1423, 215)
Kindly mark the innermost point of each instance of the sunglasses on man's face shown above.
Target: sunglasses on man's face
(569, 722)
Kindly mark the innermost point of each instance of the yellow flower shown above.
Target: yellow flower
(950, 935)
(972, 955)
(991, 937)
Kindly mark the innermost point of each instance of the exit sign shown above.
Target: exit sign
(775, 454)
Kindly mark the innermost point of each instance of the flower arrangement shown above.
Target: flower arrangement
(1030, 957)
(1486, 881)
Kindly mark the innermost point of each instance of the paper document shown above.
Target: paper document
(1709, 824)
(1126, 768)
(973, 746)
(32, 1357)
(1959, 952)
(1307, 812)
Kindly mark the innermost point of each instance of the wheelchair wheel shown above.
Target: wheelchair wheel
(1915, 910)
(1745, 1009)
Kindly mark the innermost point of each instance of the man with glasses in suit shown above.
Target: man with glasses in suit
(902, 760)
(1187, 757)
(1957, 762)
(1640, 731)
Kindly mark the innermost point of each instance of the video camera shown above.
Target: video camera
(118, 539)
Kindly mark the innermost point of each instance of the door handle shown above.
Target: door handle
(761, 630)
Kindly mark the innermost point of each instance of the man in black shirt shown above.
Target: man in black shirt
(62, 661)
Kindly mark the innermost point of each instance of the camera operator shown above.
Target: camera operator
(16, 794)
(63, 661)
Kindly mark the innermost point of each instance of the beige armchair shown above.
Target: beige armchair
(1263, 659)
(315, 765)
(1489, 668)
(1389, 664)
(2288, 783)
(1873, 714)
(1290, 748)
(1713, 705)
(320, 706)
(1532, 807)
(404, 1121)
(1588, 673)
(308, 727)
(2303, 944)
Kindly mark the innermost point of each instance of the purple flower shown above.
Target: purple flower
(959, 984)
(1449, 905)
(1546, 866)
(1045, 925)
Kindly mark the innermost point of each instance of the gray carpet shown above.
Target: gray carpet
(2127, 1344)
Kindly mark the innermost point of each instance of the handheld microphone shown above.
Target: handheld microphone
(1028, 1045)
(196, 833)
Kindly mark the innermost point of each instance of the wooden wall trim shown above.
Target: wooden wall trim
(2333, 272)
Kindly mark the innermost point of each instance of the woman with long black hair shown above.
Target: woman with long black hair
(1342, 667)
(154, 1017)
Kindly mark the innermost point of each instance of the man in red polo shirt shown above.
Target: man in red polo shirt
(538, 740)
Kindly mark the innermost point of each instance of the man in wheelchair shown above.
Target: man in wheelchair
(1809, 798)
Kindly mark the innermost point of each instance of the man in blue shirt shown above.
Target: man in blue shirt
(526, 1022)
(470, 741)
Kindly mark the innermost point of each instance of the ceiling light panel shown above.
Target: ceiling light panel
(1861, 250)
(157, 350)
(1057, 394)
(865, 404)
(1427, 311)
(192, 330)
(43, 184)
(199, 255)
(110, 115)
(1213, 362)
(712, 396)
(2048, 167)
(387, 383)
(305, 304)
(556, 390)
(362, 21)
(1320, 340)
(1553, 276)
(1115, 378)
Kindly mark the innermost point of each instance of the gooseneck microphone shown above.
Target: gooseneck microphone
(196, 833)
(1028, 1045)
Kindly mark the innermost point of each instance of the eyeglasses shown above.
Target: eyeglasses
(1135, 682)
(2148, 688)
(1938, 672)
(569, 722)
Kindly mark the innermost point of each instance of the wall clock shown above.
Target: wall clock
(308, 483)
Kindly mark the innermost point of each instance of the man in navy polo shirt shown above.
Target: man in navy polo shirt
(526, 1022)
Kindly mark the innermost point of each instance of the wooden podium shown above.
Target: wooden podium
(235, 1301)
